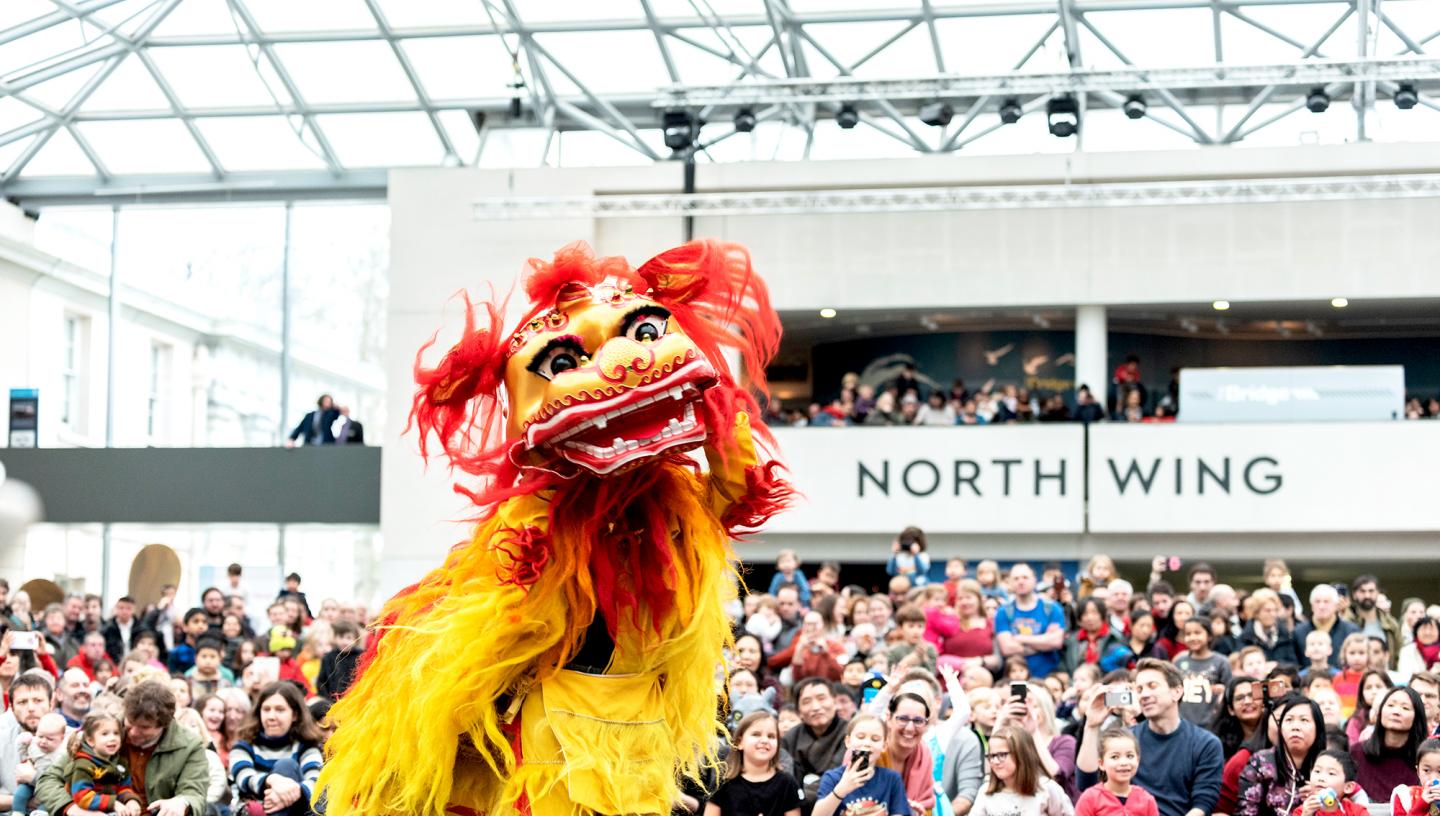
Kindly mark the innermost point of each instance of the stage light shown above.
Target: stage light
(1220, 305)
(1134, 106)
(1318, 101)
(847, 117)
(827, 312)
(744, 120)
(937, 114)
(1406, 96)
(1063, 114)
(680, 128)
(1010, 111)
(1339, 303)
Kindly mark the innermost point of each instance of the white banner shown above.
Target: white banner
(1003, 479)
(1238, 478)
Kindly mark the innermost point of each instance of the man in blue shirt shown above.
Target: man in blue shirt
(1030, 625)
(1180, 763)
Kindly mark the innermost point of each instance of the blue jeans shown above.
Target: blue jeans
(21, 801)
(290, 769)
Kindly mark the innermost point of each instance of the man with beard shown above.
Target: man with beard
(1365, 613)
(818, 743)
(29, 701)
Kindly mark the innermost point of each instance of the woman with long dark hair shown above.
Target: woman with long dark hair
(1240, 714)
(1262, 739)
(750, 654)
(1273, 780)
(1387, 759)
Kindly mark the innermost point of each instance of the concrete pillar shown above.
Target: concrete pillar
(1091, 365)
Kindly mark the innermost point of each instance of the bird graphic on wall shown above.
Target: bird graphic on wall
(993, 357)
(1032, 365)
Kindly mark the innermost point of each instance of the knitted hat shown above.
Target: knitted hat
(280, 639)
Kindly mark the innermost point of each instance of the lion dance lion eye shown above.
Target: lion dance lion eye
(557, 358)
(647, 324)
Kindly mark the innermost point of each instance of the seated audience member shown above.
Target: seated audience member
(277, 758)
(1270, 778)
(1018, 783)
(818, 744)
(1388, 759)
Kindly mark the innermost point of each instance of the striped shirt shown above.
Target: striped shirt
(251, 764)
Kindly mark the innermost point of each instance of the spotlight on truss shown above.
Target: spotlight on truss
(1010, 111)
(1318, 101)
(847, 117)
(1134, 106)
(744, 120)
(1063, 114)
(681, 129)
(937, 114)
(1406, 97)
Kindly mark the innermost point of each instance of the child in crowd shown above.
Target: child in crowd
(282, 647)
(182, 657)
(789, 717)
(1424, 798)
(1018, 784)
(1016, 668)
(47, 746)
(913, 649)
(1119, 760)
(1206, 674)
(752, 783)
(955, 572)
(1333, 773)
(1318, 651)
(860, 785)
(908, 557)
(1355, 657)
(207, 676)
(787, 571)
(987, 573)
(97, 779)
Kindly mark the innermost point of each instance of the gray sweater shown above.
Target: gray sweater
(10, 751)
(964, 766)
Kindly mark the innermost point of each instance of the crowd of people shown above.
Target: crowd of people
(906, 400)
(170, 713)
(1022, 692)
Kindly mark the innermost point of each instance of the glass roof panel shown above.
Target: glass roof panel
(258, 143)
(14, 113)
(197, 17)
(125, 18)
(9, 152)
(740, 43)
(545, 11)
(824, 6)
(848, 43)
(461, 67)
(59, 91)
(1417, 18)
(311, 15)
(403, 14)
(215, 75)
(145, 146)
(42, 46)
(513, 147)
(382, 139)
(15, 12)
(992, 45)
(462, 133)
(701, 67)
(910, 56)
(1172, 37)
(607, 62)
(685, 9)
(1304, 24)
(61, 156)
(129, 87)
(863, 141)
(342, 72)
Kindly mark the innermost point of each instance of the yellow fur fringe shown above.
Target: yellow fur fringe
(421, 729)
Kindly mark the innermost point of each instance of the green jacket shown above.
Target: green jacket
(177, 768)
(1388, 625)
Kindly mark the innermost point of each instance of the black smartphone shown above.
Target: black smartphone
(863, 758)
(1018, 689)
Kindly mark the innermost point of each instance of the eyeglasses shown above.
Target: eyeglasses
(999, 756)
(917, 722)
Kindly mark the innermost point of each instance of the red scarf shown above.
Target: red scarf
(1429, 653)
(1092, 647)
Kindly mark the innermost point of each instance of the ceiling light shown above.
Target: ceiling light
(1010, 111)
(1406, 97)
(1339, 303)
(937, 114)
(1134, 106)
(1220, 305)
(1063, 114)
(744, 120)
(827, 312)
(680, 129)
(847, 117)
(1318, 101)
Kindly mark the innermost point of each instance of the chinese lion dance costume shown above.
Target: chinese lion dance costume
(564, 660)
